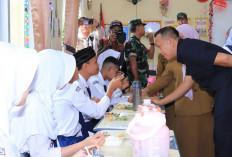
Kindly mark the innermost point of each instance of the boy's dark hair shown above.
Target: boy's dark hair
(110, 60)
(167, 32)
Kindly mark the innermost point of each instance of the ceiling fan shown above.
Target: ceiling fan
(134, 1)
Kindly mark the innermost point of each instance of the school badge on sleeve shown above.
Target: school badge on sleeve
(2, 151)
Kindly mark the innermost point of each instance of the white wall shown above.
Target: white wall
(222, 21)
(146, 10)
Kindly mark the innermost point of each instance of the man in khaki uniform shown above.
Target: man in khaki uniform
(194, 119)
(167, 83)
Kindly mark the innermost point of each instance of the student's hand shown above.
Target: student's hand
(97, 100)
(83, 152)
(96, 139)
(115, 83)
(130, 99)
(125, 83)
(144, 91)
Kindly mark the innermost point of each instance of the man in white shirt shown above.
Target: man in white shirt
(109, 70)
(85, 37)
(87, 65)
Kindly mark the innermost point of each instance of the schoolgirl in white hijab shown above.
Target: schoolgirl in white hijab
(17, 69)
(55, 69)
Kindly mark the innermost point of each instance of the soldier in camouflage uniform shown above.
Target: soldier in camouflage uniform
(136, 54)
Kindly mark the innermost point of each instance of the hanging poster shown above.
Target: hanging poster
(201, 25)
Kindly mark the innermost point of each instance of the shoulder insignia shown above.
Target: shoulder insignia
(78, 88)
(95, 82)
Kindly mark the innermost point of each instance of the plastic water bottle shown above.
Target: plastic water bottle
(137, 97)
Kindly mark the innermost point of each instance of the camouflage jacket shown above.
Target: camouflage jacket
(135, 48)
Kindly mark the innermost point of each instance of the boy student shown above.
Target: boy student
(86, 62)
(71, 101)
(109, 70)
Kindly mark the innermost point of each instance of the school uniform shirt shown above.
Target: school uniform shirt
(98, 89)
(90, 109)
(92, 39)
(65, 112)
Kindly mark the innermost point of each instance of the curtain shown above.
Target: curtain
(40, 18)
(71, 22)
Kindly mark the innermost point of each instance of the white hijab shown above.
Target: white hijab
(17, 69)
(55, 69)
(188, 32)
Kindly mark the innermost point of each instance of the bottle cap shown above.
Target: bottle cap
(136, 84)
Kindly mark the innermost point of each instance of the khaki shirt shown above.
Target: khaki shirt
(202, 101)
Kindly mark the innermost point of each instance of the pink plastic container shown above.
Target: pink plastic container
(149, 133)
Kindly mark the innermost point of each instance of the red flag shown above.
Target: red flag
(101, 17)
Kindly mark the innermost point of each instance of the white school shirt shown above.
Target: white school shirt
(90, 109)
(65, 113)
(97, 83)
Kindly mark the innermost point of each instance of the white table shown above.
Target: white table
(125, 149)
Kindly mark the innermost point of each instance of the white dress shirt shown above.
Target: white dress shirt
(65, 113)
(97, 83)
(90, 109)
(92, 39)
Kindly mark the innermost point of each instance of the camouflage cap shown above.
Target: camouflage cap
(136, 22)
